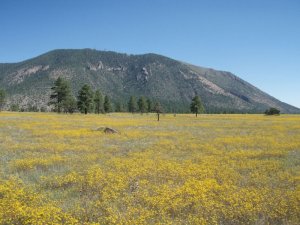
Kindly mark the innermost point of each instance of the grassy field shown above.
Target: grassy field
(214, 169)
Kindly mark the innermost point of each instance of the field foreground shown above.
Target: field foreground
(214, 169)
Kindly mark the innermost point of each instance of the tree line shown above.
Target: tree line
(88, 101)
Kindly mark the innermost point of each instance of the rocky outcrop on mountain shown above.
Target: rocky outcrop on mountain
(95, 67)
(19, 75)
(143, 75)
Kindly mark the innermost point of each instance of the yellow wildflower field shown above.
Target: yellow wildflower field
(214, 169)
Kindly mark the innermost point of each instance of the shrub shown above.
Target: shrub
(272, 111)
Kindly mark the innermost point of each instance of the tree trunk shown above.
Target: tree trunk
(157, 116)
(85, 111)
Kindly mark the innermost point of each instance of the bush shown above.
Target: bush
(14, 108)
(272, 111)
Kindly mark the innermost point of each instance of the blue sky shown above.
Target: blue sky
(258, 40)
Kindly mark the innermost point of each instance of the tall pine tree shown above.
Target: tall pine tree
(107, 105)
(85, 99)
(61, 93)
(149, 105)
(132, 105)
(197, 106)
(142, 103)
(98, 102)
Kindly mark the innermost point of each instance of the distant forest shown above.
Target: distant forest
(87, 101)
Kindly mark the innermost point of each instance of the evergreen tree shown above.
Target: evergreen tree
(61, 91)
(197, 106)
(70, 104)
(98, 101)
(119, 107)
(107, 104)
(149, 105)
(85, 99)
(158, 109)
(142, 103)
(132, 105)
(2, 99)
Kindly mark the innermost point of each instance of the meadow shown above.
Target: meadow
(214, 169)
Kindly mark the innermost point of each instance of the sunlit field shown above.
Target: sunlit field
(214, 169)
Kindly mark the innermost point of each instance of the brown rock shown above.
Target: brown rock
(108, 130)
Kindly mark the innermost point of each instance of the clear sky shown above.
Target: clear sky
(258, 40)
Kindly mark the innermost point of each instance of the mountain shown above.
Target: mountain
(172, 82)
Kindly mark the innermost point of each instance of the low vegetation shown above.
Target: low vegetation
(272, 111)
(214, 169)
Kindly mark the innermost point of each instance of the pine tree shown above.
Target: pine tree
(149, 105)
(2, 99)
(119, 107)
(158, 109)
(61, 92)
(142, 103)
(85, 99)
(98, 101)
(132, 105)
(197, 106)
(107, 105)
(70, 104)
